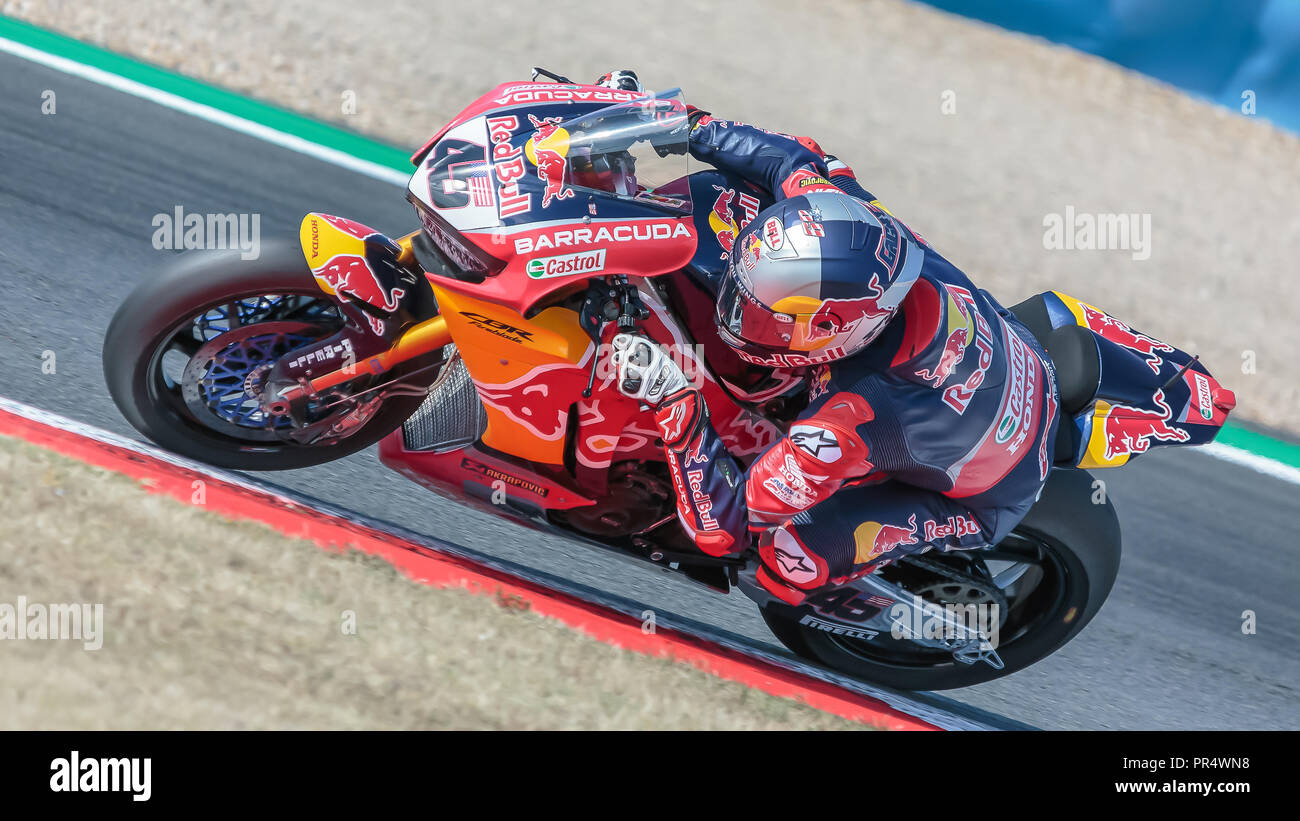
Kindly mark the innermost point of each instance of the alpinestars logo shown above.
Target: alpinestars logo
(820, 443)
(791, 564)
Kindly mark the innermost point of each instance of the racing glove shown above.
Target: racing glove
(707, 480)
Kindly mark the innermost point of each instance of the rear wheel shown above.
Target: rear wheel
(1049, 578)
(186, 353)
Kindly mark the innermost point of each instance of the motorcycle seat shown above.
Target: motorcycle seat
(1073, 351)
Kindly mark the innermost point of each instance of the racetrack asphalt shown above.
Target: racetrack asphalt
(1205, 540)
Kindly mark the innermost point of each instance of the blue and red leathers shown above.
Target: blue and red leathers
(938, 435)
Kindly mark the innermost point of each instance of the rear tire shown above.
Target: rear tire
(1084, 539)
(153, 312)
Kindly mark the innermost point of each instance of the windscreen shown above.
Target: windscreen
(632, 151)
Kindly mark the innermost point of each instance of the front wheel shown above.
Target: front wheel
(1049, 578)
(185, 353)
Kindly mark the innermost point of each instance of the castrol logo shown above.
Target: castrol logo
(585, 262)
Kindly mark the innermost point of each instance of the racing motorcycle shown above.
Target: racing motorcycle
(474, 350)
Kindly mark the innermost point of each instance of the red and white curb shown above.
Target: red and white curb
(442, 564)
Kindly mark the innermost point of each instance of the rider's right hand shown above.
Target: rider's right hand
(645, 371)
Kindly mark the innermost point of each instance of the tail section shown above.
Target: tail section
(1149, 393)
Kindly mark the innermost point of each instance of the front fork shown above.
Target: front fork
(873, 609)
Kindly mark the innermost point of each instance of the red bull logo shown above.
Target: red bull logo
(720, 219)
(343, 256)
(1108, 327)
(874, 539)
(954, 346)
(508, 167)
(958, 397)
(837, 316)
(547, 149)
(350, 274)
(539, 400)
(954, 350)
(1130, 430)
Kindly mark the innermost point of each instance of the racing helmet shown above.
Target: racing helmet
(623, 80)
(814, 278)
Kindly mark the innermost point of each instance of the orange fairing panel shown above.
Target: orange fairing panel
(528, 371)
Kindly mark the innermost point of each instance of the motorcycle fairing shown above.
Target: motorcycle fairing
(581, 249)
(497, 197)
(349, 259)
(1150, 393)
(527, 371)
(532, 94)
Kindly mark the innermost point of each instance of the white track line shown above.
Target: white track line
(207, 113)
(1228, 453)
(1261, 464)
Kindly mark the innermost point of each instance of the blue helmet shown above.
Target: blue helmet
(815, 278)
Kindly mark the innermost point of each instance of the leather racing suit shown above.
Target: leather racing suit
(939, 434)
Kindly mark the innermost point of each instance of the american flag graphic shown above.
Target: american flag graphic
(480, 190)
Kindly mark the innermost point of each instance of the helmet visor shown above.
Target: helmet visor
(742, 315)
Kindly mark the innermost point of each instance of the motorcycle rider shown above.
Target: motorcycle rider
(932, 410)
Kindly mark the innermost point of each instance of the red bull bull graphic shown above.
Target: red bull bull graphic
(841, 316)
(874, 539)
(539, 400)
(722, 220)
(352, 275)
(343, 256)
(1130, 430)
(547, 149)
(1108, 327)
(960, 330)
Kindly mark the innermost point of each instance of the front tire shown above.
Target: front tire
(155, 315)
(1079, 539)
